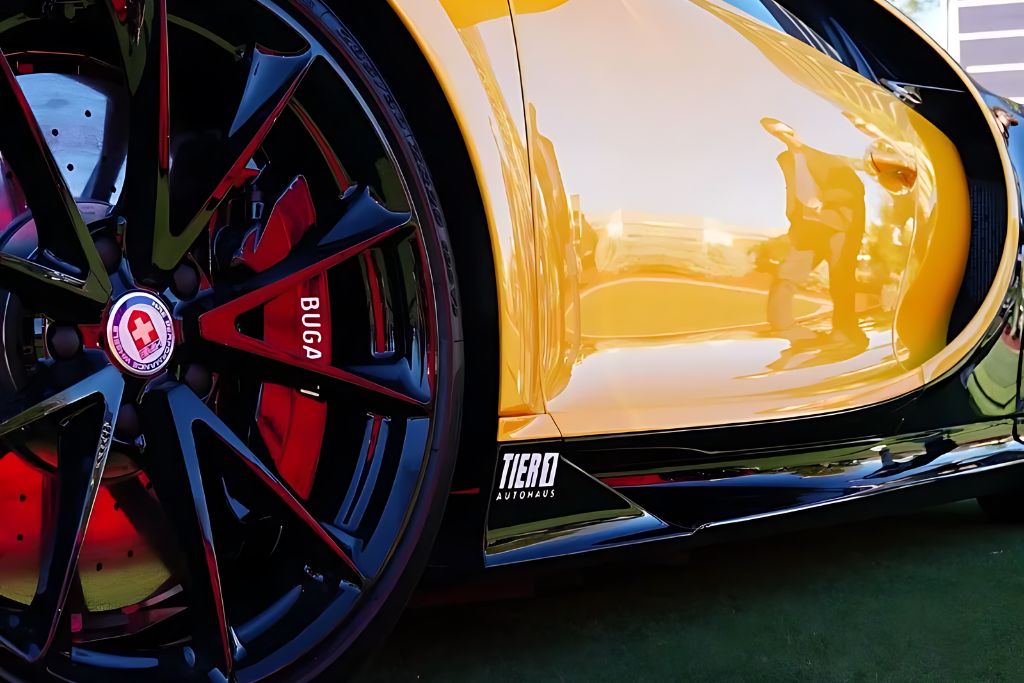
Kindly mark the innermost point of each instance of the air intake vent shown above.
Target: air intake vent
(988, 233)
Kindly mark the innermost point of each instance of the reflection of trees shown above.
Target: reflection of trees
(885, 257)
(543, 242)
(827, 469)
(559, 262)
(912, 7)
(518, 335)
(770, 254)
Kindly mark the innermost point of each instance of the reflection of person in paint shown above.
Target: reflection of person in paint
(825, 208)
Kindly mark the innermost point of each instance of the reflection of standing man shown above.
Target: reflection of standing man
(825, 208)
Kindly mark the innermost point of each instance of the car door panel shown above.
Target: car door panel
(731, 226)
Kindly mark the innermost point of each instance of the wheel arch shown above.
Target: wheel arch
(478, 163)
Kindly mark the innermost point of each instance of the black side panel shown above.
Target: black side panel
(595, 510)
(542, 505)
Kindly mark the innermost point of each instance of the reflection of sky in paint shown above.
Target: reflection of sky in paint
(686, 109)
(701, 364)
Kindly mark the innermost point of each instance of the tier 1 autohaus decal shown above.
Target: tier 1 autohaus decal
(526, 476)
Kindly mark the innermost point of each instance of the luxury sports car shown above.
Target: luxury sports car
(304, 296)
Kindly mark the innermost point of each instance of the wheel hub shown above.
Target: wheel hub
(140, 333)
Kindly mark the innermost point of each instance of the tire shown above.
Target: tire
(280, 439)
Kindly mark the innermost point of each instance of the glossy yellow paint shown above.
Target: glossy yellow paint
(942, 235)
(471, 47)
(730, 227)
(527, 428)
(723, 228)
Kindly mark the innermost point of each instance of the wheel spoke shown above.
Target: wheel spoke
(173, 466)
(388, 387)
(145, 197)
(407, 376)
(82, 447)
(190, 404)
(364, 479)
(272, 81)
(56, 386)
(67, 277)
(44, 286)
(364, 221)
(364, 224)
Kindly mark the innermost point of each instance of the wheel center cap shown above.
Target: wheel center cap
(140, 333)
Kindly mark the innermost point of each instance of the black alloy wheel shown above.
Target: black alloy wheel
(231, 379)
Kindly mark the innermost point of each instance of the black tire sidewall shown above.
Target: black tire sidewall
(340, 656)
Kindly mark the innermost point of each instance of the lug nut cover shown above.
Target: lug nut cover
(64, 342)
(185, 282)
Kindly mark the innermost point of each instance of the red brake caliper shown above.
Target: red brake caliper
(291, 423)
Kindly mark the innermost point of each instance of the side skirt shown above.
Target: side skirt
(556, 498)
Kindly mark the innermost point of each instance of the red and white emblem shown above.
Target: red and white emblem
(140, 333)
(143, 331)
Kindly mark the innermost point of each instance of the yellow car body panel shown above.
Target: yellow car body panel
(698, 220)
(471, 47)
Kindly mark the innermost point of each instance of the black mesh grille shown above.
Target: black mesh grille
(988, 226)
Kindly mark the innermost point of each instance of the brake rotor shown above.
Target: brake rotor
(119, 565)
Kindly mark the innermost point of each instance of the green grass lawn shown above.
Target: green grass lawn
(937, 596)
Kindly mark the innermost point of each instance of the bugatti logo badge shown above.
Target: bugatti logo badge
(527, 475)
(140, 333)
